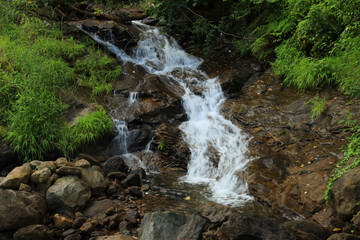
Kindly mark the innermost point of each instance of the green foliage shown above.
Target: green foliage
(318, 105)
(351, 152)
(85, 130)
(97, 71)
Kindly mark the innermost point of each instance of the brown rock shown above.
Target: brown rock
(32, 232)
(88, 227)
(17, 176)
(215, 213)
(62, 222)
(343, 236)
(48, 164)
(66, 171)
(82, 163)
(41, 175)
(24, 187)
(116, 237)
(305, 229)
(96, 207)
(61, 162)
(132, 216)
(356, 220)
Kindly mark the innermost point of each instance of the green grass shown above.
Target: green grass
(318, 106)
(36, 67)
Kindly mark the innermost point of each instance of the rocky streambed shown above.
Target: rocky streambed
(111, 194)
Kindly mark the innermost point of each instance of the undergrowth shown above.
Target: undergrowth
(318, 106)
(36, 67)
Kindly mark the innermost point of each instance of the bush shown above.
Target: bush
(318, 105)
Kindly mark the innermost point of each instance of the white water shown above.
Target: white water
(119, 143)
(133, 97)
(218, 147)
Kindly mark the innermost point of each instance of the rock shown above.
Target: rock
(305, 229)
(75, 236)
(253, 226)
(68, 192)
(35, 164)
(93, 160)
(117, 236)
(114, 164)
(61, 162)
(68, 232)
(41, 175)
(96, 207)
(356, 220)
(24, 187)
(48, 164)
(32, 232)
(169, 225)
(82, 163)
(79, 221)
(132, 180)
(19, 209)
(132, 216)
(124, 226)
(17, 176)
(345, 194)
(117, 175)
(94, 179)
(135, 191)
(343, 236)
(7, 155)
(66, 170)
(62, 222)
(88, 227)
(150, 21)
(43, 187)
(215, 213)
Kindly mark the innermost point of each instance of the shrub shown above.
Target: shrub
(318, 105)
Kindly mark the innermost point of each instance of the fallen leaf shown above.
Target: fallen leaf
(187, 198)
(302, 165)
(336, 229)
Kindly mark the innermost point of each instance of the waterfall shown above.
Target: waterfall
(218, 147)
(119, 143)
(133, 97)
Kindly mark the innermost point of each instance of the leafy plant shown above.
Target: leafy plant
(318, 105)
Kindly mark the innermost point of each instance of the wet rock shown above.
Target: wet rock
(132, 216)
(61, 162)
(82, 163)
(68, 193)
(150, 21)
(345, 194)
(62, 222)
(41, 175)
(17, 176)
(343, 236)
(94, 178)
(168, 225)
(135, 191)
(114, 164)
(66, 171)
(132, 180)
(24, 187)
(169, 141)
(215, 213)
(253, 226)
(96, 207)
(19, 209)
(32, 232)
(305, 229)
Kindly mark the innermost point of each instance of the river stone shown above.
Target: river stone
(41, 175)
(68, 192)
(96, 207)
(48, 164)
(62, 222)
(214, 212)
(343, 236)
(114, 164)
(33, 232)
(132, 180)
(94, 179)
(19, 209)
(25, 187)
(345, 194)
(306, 229)
(253, 226)
(67, 170)
(17, 176)
(61, 162)
(82, 163)
(35, 164)
(169, 225)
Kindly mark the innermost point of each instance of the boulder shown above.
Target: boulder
(215, 213)
(32, 232)
(82, 163)
(17, 176)
(61, 162)
(19, 209)
(48, 164)
(94, 178)
(41, 175)
(169, 225)
(96, 207)
(345, 194)
(305, 229)
(343, 236)
(253, 226)
(114, 164)
(132, 180)
(67, 170)
(68, 193)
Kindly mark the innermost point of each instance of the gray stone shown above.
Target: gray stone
(96, 207)
(33, 232)
(41, 175)
(215, 213)
(94, 178)
(132, 180)
(68, 193)
(48, 164)
(61, 162)
(17, 176)
(82, 163)
(24, 187)
(168, 225)
(67, 170)
(114, 164)
(19, 209)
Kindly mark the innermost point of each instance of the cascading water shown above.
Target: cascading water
(119, 143)
(218, 147)
(133, 97)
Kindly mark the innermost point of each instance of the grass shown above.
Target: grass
(318, 105)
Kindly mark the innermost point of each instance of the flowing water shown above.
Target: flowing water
(133, 97)
(218, 147)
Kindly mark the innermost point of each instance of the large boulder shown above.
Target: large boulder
(169, 225)
(345, 194)
(253, 226)
(41, 175)
(17, 176)
(19, 209)
(94, 178)
(32, 232)
(68, 193)
(114, 164)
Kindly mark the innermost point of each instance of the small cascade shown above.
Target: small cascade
(148, 146)
(218, 147)
(119, 143)
(133, 97)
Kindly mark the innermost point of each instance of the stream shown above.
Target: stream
(218, 148)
